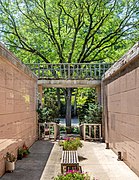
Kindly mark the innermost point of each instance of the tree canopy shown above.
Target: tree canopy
(73, 31)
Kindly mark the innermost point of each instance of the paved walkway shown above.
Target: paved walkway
(44, 163)
(102, 163)
(96, 160)
(31, 168)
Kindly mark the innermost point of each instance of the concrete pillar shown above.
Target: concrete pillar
(40, 91)
(98, 91)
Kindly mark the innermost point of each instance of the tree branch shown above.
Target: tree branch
(79, 25)
(107, 46)
(52, 36)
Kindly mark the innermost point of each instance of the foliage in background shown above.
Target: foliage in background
(93, 114)
(62, 128)
(85, 97)
(89, 111)
(41, 115)
(51, 109)
(69, 31)
(74, 129)
(87, 108)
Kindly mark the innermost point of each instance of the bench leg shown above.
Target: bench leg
(61, 169)
(77, 167)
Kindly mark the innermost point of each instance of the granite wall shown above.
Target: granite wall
(18, 122)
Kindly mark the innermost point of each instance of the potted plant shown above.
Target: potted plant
(20, 153)
(25, 150)
(10, 162)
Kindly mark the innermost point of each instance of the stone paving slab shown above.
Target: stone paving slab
(95, 160)
(31, 168)
(102, 163)
(53, 167)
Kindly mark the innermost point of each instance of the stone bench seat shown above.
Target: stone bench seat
(5, 145)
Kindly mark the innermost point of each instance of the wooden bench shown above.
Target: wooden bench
(69, 160)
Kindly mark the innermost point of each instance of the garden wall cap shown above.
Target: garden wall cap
(6, 54)
(123, 62)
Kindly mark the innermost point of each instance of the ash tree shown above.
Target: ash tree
(69, 31)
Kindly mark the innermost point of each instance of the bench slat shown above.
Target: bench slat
(69, 157)
(77, 157)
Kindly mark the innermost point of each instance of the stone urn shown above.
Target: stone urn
(10, 166)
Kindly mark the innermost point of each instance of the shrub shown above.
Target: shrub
(73, 175)
(71, 144)
(75, 130)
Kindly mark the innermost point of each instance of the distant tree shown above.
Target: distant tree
(85, 97)
(93, 114)
(50, 107)
(69, 30)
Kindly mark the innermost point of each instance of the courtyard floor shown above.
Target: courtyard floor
(43, 163)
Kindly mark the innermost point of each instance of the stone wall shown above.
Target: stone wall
(18, 122)
(121, 107)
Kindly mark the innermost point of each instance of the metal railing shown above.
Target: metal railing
(69, 71)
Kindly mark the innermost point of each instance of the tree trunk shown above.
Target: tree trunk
(58, 97)
(75, 105)
(68, 109)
